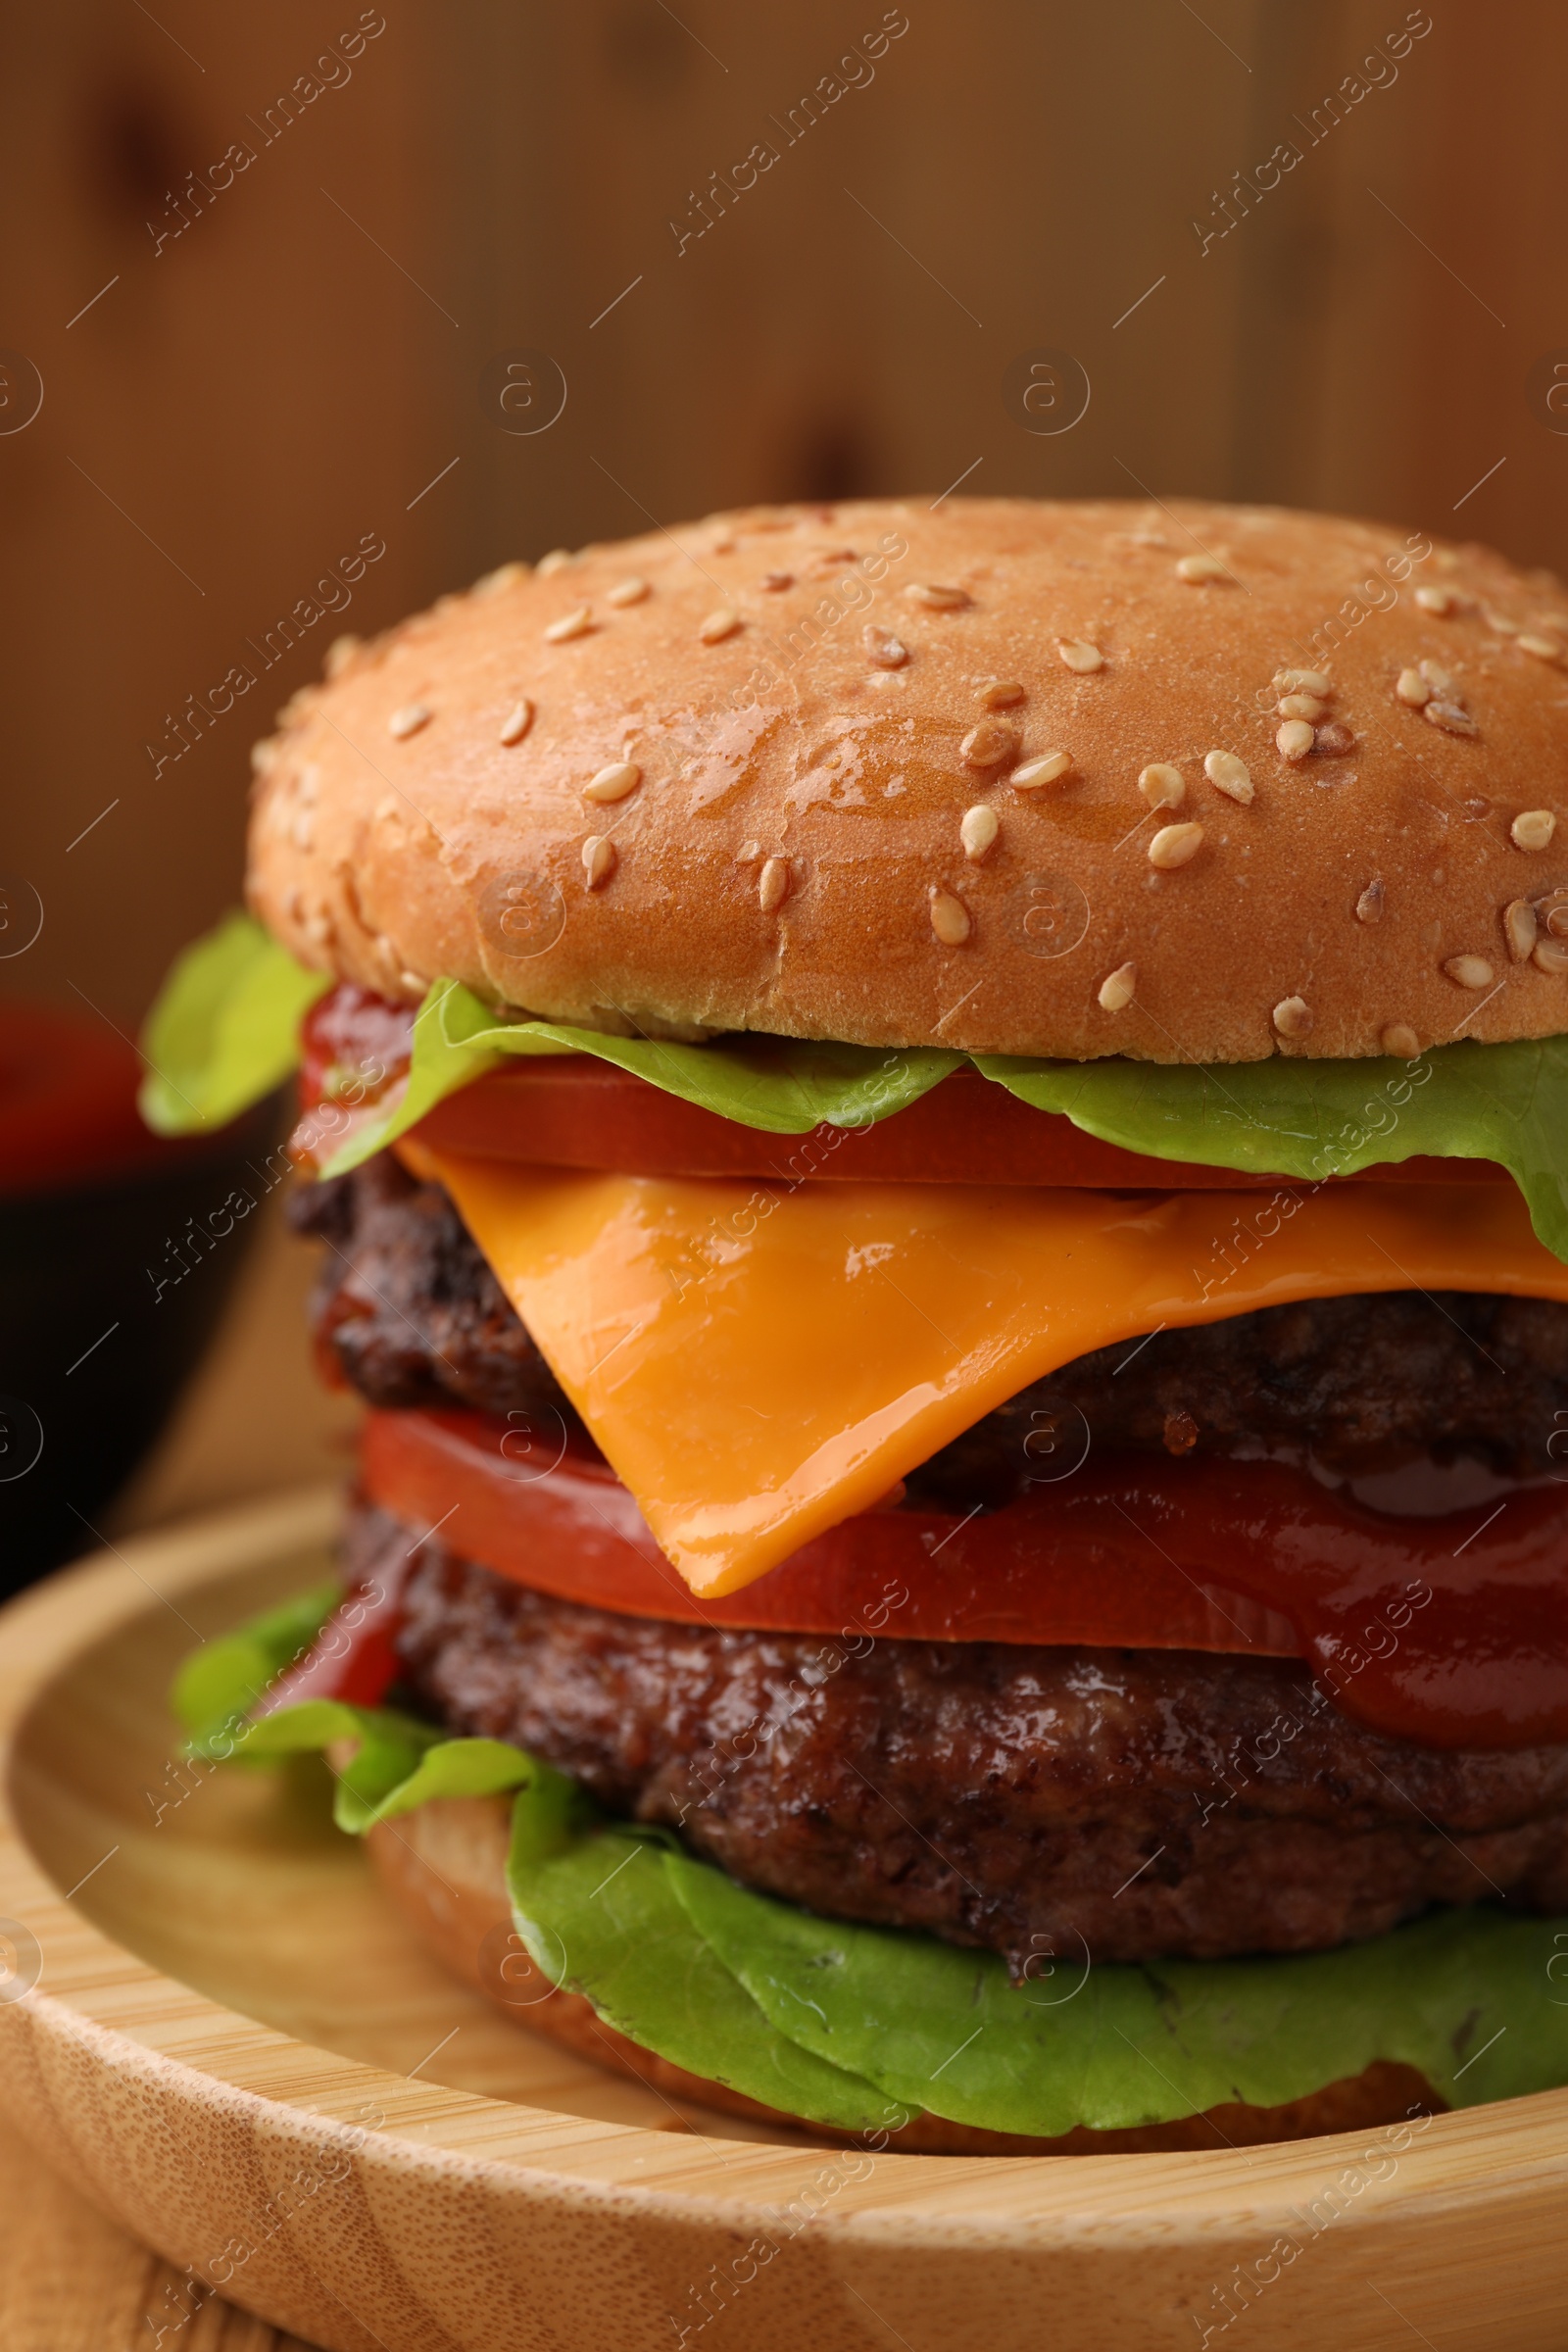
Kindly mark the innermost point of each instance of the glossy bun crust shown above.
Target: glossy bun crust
(781, 771)
(444, 1866)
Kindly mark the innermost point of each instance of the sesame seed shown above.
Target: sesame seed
(1300, 706)
(615, 782)
(626, 592)
(1520, 928)
(774, 884)
(989, 744)
(949, 917)
(776, 581)
(1400, 1039)
(1292, 1016)
(1369, 906)
(1333, 740)
(1195, 569)
(1531, 828)
(1499, 622)
(1469, 971)
(1450, 717)
(1161, 785)
(1230, 775)
(1545, 648)
(339, 654)
(415, 981)
(1437, 678)
(748, 852)
(719, 625)
(317, 927)
(264, 754)
(599, 860)
(1556, 917)
(557, 561)
(1550, 955)
(575, 623)
(407, 721)
(1080, 655)
(936, 598)
(1411, 687)
(1301, 681)
(518, 720)
(978, 828)
(1000, 694)
(1173, 845)
(882, 648)
(505, 576)
(1049, 768)
(1117, 989)
(1434, 600)
(1294, 738)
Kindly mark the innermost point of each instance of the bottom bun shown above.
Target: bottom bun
(444, 1865)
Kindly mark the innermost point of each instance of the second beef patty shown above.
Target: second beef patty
(1037, 1801)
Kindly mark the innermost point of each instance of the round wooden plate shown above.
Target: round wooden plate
(214, 2024)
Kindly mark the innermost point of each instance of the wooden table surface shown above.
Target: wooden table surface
(256, 1418)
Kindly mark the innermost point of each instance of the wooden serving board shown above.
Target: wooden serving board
(237, 2051)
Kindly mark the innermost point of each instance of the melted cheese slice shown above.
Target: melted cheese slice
(756, 1365)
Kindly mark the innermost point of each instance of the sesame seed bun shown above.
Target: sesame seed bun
(1187, 782)
(444, 1867)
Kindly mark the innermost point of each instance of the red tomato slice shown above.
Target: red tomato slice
(575, 1112)
(524, 1502)
(1432, 1629)
(353, 1657)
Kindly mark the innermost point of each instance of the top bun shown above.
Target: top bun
(873, 772)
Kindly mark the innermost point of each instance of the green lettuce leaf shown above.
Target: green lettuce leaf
(782, 1084)
(222, 1035)
(858, 2025)
(217, 1685)
(1290, 1118)
(1118, 2045)
(398, 1762)
(600, 1916)
(224, 1029)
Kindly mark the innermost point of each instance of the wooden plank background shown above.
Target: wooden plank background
(248, 398)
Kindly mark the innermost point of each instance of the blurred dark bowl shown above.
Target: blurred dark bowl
(118, 1252)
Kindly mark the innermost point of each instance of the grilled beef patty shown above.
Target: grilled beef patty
(407, 1310)
(1034, 1800)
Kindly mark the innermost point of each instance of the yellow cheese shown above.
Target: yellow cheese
(759, 1363)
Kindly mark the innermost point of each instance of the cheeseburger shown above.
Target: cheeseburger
(939, 1135)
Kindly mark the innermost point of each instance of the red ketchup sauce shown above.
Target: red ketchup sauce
(1452, 1630)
